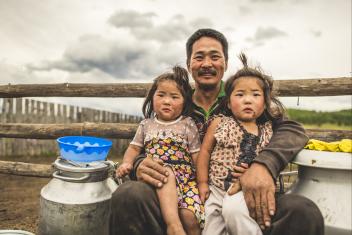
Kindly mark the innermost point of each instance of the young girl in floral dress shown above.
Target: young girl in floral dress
(230, 145)
(168, 134)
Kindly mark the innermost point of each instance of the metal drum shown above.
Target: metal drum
(326, 179)
(77, 199)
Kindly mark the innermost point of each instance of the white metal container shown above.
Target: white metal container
(326, 179)
(77, 200)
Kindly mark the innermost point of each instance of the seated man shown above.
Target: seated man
(135, 207)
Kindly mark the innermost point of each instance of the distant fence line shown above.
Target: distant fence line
(22, 110)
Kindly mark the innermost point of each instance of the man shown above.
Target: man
(135, 208)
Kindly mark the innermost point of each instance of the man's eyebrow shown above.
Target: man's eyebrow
(209, 52)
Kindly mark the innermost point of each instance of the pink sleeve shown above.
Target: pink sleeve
(138, 138)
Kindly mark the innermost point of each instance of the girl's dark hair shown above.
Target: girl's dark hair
(180, 76)
(273, 107)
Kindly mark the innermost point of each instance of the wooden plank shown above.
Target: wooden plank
(52, 113)
(26, 169)
(53, 131)
(298, 87)
(116, 130)
(329, 135)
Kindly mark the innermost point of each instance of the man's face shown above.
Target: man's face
(207, 63)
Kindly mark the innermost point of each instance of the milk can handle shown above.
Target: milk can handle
(56, 175)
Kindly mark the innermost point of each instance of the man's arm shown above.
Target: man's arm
(258, 181)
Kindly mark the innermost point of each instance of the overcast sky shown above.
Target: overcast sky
(96, 41)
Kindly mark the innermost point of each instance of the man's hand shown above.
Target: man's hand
(152, 172)
(238, 171)
(259, 192)
(203, 191)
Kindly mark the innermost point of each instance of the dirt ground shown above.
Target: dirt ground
(19, 201)
(19, 197)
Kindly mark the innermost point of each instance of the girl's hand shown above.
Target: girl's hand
(239, 171)
(203, 191)
(124, 169)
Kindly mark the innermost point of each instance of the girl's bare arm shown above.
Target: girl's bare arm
(205, 152)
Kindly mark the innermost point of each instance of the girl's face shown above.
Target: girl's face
(247, 99)
(167, 101)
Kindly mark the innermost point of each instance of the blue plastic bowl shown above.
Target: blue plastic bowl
(84, 148)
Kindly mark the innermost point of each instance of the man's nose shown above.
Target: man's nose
(207, 62)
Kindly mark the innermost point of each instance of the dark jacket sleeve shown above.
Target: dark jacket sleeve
(288, 139)
(137, 161)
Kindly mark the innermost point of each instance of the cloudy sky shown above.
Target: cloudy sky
(96, 41)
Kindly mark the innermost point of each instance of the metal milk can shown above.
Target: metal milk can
(77, 200)
(326, 179)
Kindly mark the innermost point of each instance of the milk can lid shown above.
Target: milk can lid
(71, 166)
(324, 159)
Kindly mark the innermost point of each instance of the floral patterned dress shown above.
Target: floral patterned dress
(174, 142)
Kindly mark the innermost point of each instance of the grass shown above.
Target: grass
(330, 126)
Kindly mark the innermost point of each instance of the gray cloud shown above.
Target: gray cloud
(244, 10)
(263, 0)
(264, 34)
(131, 19)
(117, 58)
(142, 26)
(316, 33)
(148, 51)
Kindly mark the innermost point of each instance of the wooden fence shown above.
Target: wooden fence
(30, 111)
(284, 88)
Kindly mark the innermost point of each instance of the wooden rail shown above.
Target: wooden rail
(25, 169)
(116, 130)
(284, 88)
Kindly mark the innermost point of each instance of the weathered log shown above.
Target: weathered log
(53, 131)
(329, 135)
(26, 169)
(75, 90)
(299, 87)
(117, 130)
(314, 87)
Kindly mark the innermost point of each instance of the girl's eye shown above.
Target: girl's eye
(257, 94)
(238, 94)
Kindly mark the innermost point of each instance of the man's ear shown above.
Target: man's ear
(225, 68)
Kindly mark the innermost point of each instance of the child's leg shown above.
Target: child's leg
(190, 222)
(236, 216)
(214, 222)
(168, 205)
